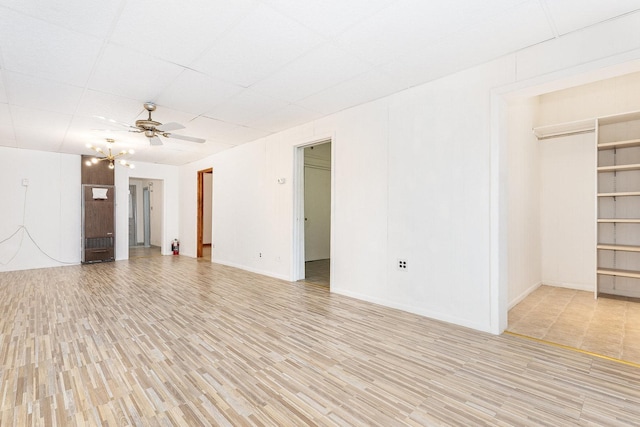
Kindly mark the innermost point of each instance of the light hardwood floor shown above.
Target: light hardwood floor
(173, 341)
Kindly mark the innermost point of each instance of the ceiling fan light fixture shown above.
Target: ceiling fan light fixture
(111, 165)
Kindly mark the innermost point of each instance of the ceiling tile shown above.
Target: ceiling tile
(3, 93)
(5, 115)
(40, 119)
(246, 107)
(176, 31)
(285, 118)
(33, 138)
(327, 17)
(318, 70)
(257, 46)
(363, 88)
(7, 136)
(408, 25)
(124, 72)
(93, 17)
(226, 132)
(570, 15)
(197, 93)
(35, 92)
(35, 48)
(109, 106)
(526, 25)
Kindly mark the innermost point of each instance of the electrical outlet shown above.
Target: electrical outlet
(25, 182)
(260, 255)
(402, 264)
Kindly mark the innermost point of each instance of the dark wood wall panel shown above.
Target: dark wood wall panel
(97, 174)
(98, 215)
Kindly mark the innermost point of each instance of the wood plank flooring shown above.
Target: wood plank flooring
(173, 341)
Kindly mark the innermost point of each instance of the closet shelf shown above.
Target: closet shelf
(619, 168)
(619, 144)
(625, 248)
(564, 129)
(620, 194)
(619, 220)
(619, 273)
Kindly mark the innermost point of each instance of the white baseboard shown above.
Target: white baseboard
(577, 286)
(252, 270)
(524, 294)
(415, 310)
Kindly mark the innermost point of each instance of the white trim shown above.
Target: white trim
(577, 286)
(525, 294)
(250, 269)
(412, 309)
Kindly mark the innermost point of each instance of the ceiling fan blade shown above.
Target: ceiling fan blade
(155, 140)
(169, 127)
(184, 137)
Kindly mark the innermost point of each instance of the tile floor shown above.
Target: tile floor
(607, 326)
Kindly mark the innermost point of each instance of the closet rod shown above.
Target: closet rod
(559, 134)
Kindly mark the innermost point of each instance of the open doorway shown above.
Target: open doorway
(145, 217)
(573, 205)
(314, 203)
(205, 213)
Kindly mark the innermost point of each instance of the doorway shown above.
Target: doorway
(205, 213)
(145, 217)
(314, 191)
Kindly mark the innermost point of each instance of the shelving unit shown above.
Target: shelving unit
(618, 205)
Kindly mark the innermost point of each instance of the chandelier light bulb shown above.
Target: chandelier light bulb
(109, 155)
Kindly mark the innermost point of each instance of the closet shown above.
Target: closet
(616, 196)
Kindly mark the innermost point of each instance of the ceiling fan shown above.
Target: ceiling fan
(154, 130)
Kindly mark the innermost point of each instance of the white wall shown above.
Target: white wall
(411, 181)
(524, 246)
(568, 216)
(52, 213)
(602, 98)
(417, 176)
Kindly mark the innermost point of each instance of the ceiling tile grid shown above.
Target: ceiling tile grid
(232, 71)
(37, 48)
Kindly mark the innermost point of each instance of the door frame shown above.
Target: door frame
(298, 256)
(200, 210)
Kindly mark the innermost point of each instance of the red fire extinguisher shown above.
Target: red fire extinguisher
(175, 247)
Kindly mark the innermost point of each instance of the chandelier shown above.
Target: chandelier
(109, 156)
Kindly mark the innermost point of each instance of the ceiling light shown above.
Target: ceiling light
(109, 156)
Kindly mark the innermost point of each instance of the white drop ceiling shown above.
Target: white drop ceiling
(232, 71)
